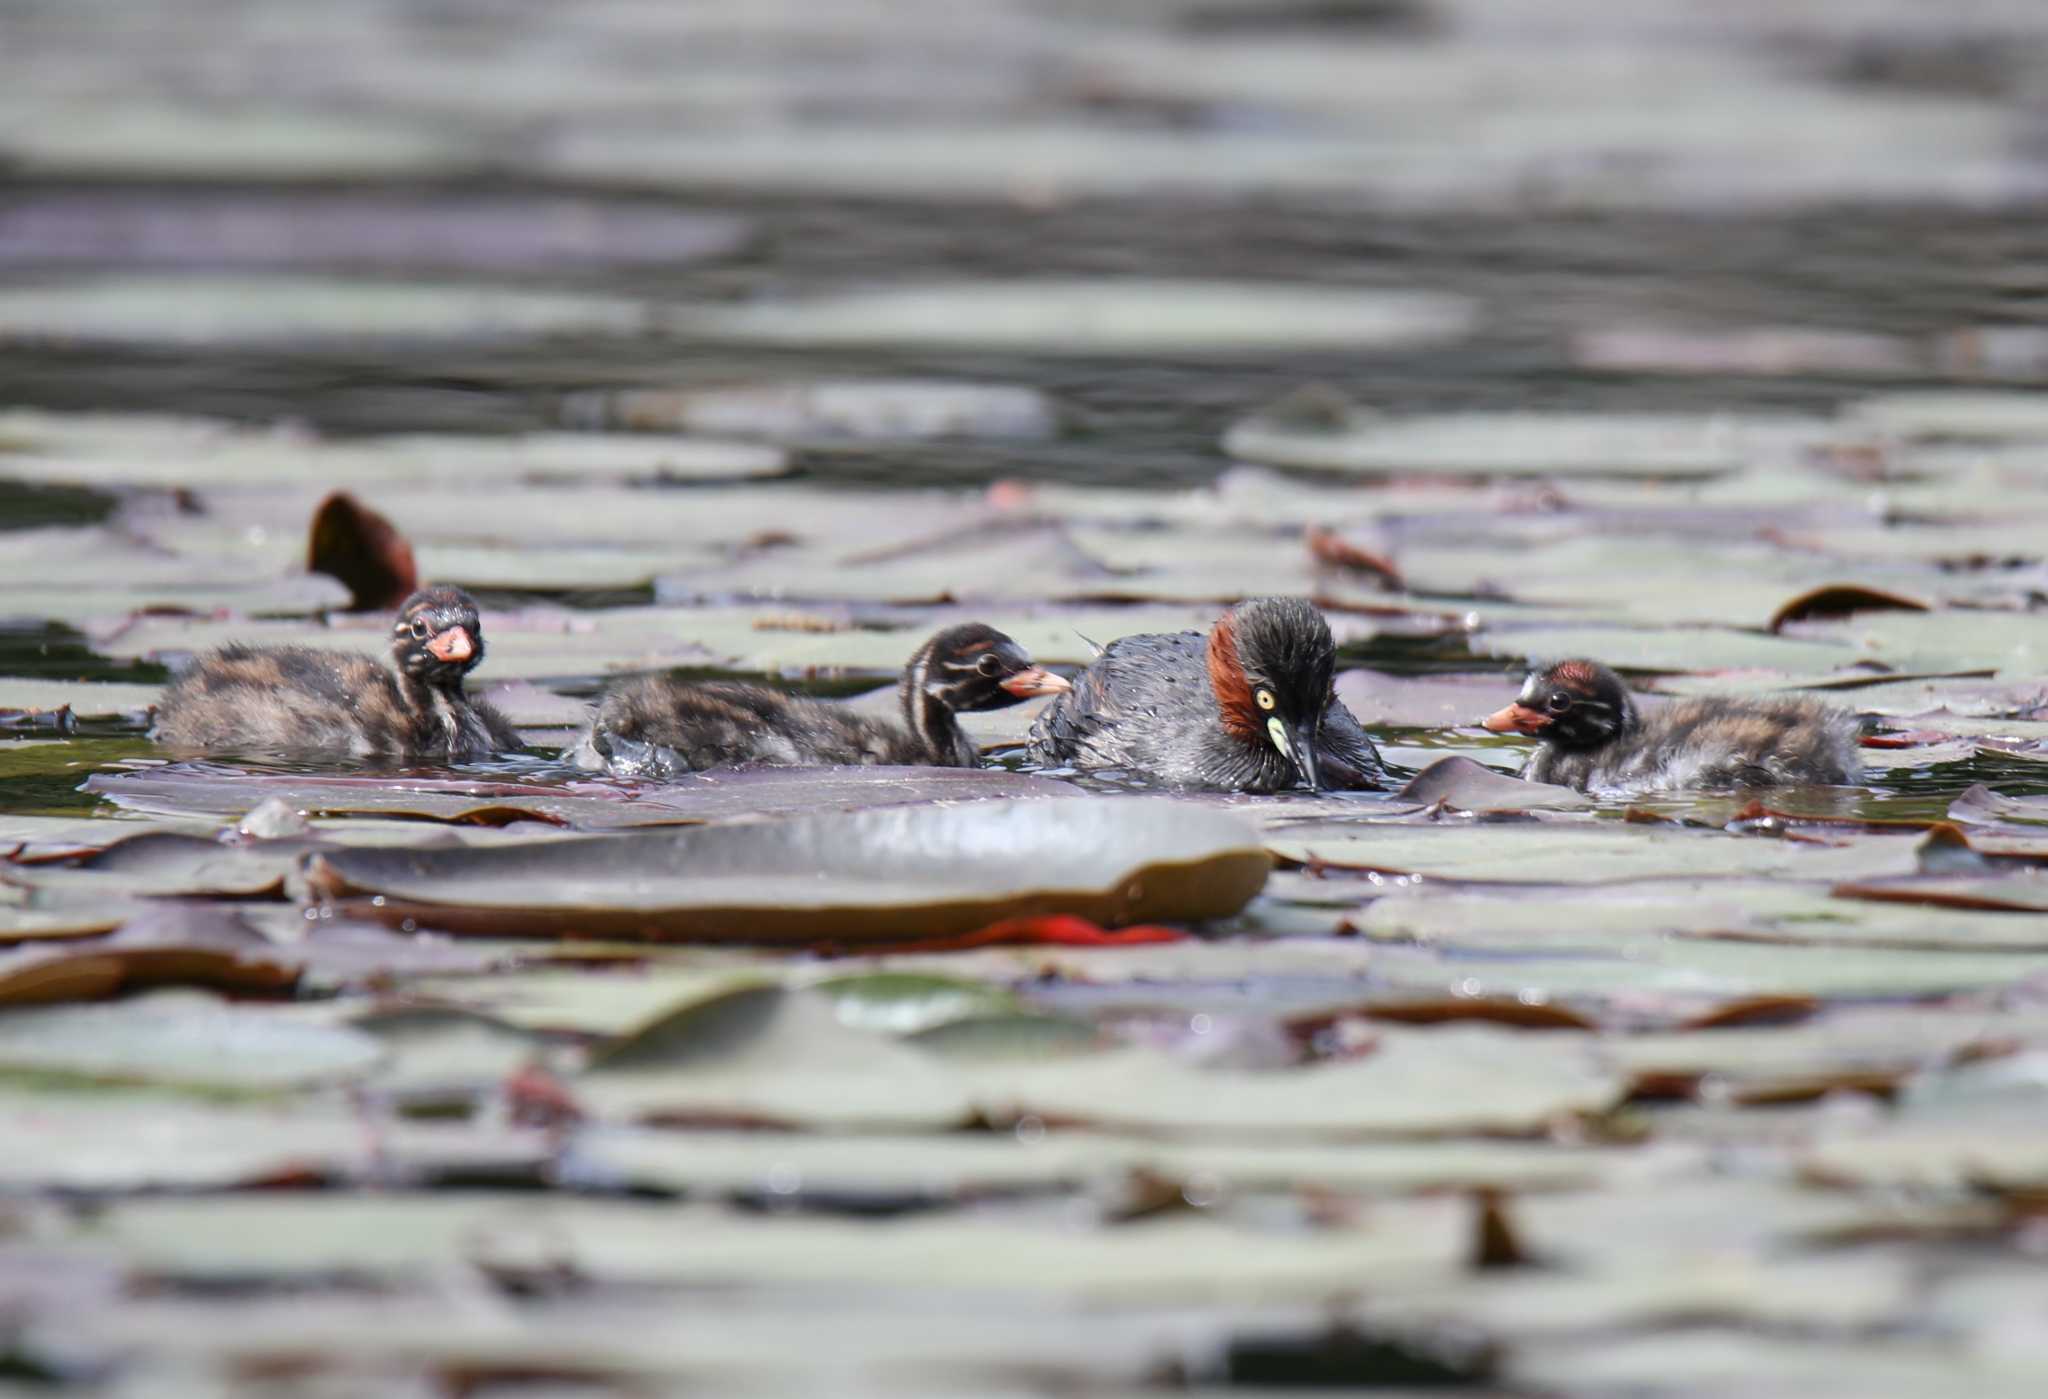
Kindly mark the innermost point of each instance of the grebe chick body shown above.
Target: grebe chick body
(300, 700)
(1592, 736)
(655, 726)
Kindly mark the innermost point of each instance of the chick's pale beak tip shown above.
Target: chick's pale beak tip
(1036, 681)
(451, 645)
(1516, 719)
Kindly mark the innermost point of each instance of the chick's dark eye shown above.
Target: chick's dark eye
(1558, 702)
(419, 627)
(990, 664)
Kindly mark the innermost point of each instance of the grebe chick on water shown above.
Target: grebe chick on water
(654, 726)
(1592, 737)
(296, 700)
(1249, 706)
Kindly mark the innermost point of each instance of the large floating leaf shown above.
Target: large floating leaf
(887, 874)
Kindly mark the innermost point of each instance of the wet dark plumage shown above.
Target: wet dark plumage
(1191, 708)
(654, 726)
(296, 700)
(1593, 737)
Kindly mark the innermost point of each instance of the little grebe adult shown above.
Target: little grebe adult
(1250, 706)
(291, 700)
(1593, 737)
(654, 726)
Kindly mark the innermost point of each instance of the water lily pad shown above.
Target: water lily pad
(83, 699)
(1463, 785)
(1361, 441)
(1674, 649)
(1630, 917)
(154, 139)
(1955, 414)
(283, 1236)
(1136, 318)
(220, 792)
(821, 412)
(211, 790)
(881, 1165)
(282, 313)
(771, 1056)
(1775, 351)
(1455, 1079)
(193, 455)
(115, 1141)
(1588, 853)
(306, 228)
(886, 874)
(181, 1039)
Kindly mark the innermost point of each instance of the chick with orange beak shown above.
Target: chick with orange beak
(1593, 737)
(295, 701)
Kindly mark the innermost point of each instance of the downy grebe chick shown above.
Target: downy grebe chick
(1248, 707)
(1593, 737)
(290, 700)
(654, 726)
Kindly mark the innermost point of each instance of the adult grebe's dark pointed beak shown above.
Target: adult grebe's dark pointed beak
(1304, 756)
(451, 645)
(1517, 719)
(1036, 681)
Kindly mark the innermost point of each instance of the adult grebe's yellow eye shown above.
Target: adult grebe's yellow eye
(1265, 699)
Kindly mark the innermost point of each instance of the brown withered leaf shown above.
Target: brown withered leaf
(1834, 600)
(349, 541)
